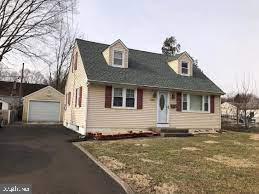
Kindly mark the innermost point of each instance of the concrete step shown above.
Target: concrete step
(173, 130)
(176, 134)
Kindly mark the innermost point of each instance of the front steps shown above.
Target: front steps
(173, 132)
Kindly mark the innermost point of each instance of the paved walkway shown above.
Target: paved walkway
(44, 157)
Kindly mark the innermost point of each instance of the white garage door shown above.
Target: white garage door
(44, 111)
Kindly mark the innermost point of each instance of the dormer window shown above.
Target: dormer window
(117, 55)
(185, 68)
(118, 58)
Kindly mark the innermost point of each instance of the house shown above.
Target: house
(9, 91)
(114, 88)
(229, 111)
(4, 105)
(44, 105)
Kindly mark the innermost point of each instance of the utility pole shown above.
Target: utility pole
(20, 89)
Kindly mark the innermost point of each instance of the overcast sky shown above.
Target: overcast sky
(223, 35)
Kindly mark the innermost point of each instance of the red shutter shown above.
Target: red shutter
(212, 104)
(108, 97)
(69, 98)
(80, 96)
(72, 64)
(75, 66)
(76, 98)
(179, 101)
(139, 98)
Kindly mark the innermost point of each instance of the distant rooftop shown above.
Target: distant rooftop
(12, 88)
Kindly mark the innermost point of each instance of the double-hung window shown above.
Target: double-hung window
(124, 97)
(185, 68)
(117, 97)
(195, 103)
(130, 98)
(185, 102)
(117, 58)
(206, 103)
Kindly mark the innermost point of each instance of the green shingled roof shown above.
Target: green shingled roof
(144, 69)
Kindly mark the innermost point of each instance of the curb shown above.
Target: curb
(123, 184)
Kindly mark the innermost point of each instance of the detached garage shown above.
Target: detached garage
(44, 105)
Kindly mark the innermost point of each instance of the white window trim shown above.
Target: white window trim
(188, 68)
(123, 53)
(124, 98)
(188, 104)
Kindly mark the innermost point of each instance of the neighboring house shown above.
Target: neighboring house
(44, 105)
(113, 88)
(229, 111)
(9, 91)
(4, 105)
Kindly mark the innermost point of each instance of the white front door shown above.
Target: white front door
(162, 107)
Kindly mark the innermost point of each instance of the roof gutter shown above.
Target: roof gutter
(154, 87)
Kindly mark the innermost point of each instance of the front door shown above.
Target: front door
(162, 107)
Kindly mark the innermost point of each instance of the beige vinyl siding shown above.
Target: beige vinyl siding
(101, 117)
(106, 55)
(46, 94)
(174, 65)
(196, 120)
(77, 78)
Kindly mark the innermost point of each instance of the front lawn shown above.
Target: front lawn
(220, 163)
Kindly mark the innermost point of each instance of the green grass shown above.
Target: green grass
(232, 167)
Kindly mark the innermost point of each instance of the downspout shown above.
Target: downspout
(86, 105)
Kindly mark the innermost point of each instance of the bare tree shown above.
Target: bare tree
(63, 45)
(35, 77)
(6, 74)
(244, 100)
(22, 21)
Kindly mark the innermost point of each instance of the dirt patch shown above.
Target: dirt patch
(166, 188)
(143, 145)
(232, 162)
(191, 148)
(134, 154)
(151, 161)
(111, 163)
(237, 143)
(255, 137)
(211, 142)
(210, 135)
(140, 182)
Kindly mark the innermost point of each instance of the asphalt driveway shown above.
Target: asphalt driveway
(44, 157)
